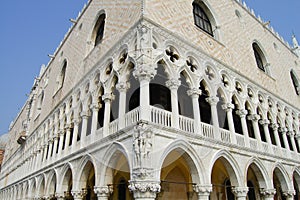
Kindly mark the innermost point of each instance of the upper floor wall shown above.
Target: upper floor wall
(234, 30)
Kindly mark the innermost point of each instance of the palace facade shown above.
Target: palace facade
(150, 99)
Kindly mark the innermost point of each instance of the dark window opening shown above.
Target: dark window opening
(258, 57)
(100, 29)
(201, 19)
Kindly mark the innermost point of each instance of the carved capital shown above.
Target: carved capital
(242, 113)
(289, 193)
(103, 191)
(59, 195)
(202, 190)
(122, 86)
(269, 193)
(228, 107)
(212, 100)
(144, 188)
(79, 194)
(194, 92)
(173, 84)
(254, 117)
(95, 107)
(107, 97)
(144, 72)
(283, 130)
(264, 122)
(275, 126)
(240, 191)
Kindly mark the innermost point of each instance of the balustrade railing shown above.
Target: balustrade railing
(132, 116)
(113, 126)
(225, 135)
(240, 140)
(160, 116)
(253, 143)
(207, 130)
(186, 124)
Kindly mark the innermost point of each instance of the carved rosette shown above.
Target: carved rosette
(268, 193)
(144, 189)
(240, 191)
(104, 191)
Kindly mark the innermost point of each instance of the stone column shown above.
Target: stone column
(173, 85)
(286, 143)
(78, 195)
(277, 139)
(144, 74)
(61, 141)
(107, 98)
(267, 194)
(50, 148)
(289, 195)
(68, 135)
(297, 137)
(122, 88)
(203, 191)
(242, 113)
(55, 138)
(254, 118)
(228, 107)
(214, 115)
(75, 132)
(44, 152)
(103, 192)
(240, 193)
(84, 117)
(194, 94)
(291, 134)
(265, 123)
(95, 110)
(144, 190)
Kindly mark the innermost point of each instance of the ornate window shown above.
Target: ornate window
(259, 57)
(99, 29)
(295, 82)
(201, 19)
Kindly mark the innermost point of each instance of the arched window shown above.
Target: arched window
(61, 78)
(259, 57)
(201, 19)
(295, 82)
(99, 29)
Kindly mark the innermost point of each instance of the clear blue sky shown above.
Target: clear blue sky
(32, 29)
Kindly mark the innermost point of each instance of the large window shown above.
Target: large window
(99, 29)
(259, 57)
(201, 19)
(295, 82)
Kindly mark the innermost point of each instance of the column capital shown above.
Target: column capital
(173, 84)
(289, 193)
(228, 107)
(275, 126)
(240, 191)
(253, 117)
(144, 73)
(107, 97)
(142, 189)
(59, 195)
(79, 194)
(103, 191)
(264, 122)
(194, 92)
(269, 193)
(283, 130)
(84, 114)
(122, 86)
(95, 106)
(242, 112)
(202, 190)
(212, 100)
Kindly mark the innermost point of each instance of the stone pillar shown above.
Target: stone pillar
(289, 195)
(144, 74)
(254, 118)
(297, 137)
(84, 117)
(78, 195)
(173, 85)
(228, 107)
(122, 88)
(284, 135)
(61, 141)
(265, 123)
(194, 94)
(95, 110)
(107, 98)
(291, 134)
(104, 192)
(242, 113)
(214, 115)
(55, 138)
(240, 193)
(68, 135)
(75, 132)
(203, 191)
(277, 139)
(50, 148)
(267, 194)
(144, 190)
(44, 152)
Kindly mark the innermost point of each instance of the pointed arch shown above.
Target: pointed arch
(295, 81)
(260, 172)
(99, 26)
(282, 176)
(188, 153)
(51, 183)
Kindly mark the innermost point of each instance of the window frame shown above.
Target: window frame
(201, 19)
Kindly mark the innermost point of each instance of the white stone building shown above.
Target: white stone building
(151, 99)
